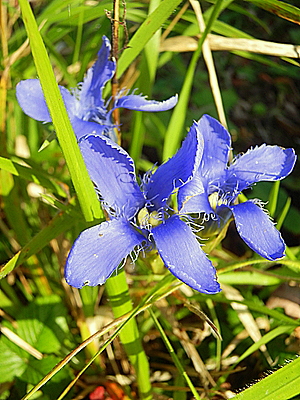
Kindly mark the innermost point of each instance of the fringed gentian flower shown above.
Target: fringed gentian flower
(214, 190)
(140, 218)
(86, 108)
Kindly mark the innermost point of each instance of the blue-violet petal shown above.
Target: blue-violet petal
(183, 256)
(193, 197)
(32, 101)
(112, 170)
(97, 76)
(263, 163)
(141, 103)
(98, 251)
(257, 230)
(217, 143)
(177, 171)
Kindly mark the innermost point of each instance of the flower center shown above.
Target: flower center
(214, 200)
(148, 220)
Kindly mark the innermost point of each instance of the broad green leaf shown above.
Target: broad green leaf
(37, 369)
(43, 325)
(38, 324)
(6, 181)
(283, 384)
(13, 360)
(84, 188)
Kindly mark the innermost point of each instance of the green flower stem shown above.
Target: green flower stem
(118, 293)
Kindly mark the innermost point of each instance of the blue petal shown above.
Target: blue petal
(83, 128)
(258, 231)
(193, 197)
(113, 172)
(32, 101)
(98, 251)
(217, 142)
(97, 76)
(176, 171)
(264, 163)
(140, 103)
(183, 256)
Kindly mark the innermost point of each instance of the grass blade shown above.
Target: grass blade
(281, 385)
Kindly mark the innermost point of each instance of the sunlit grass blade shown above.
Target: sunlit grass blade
(249, 278)
(281, 385)
(84, 188)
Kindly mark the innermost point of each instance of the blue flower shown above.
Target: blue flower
(140, 217)
(214, 189)
(86, 108)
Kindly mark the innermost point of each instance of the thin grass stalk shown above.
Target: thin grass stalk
(283, 214)
(273, 198)
(213, 313)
